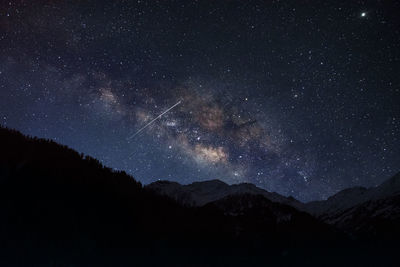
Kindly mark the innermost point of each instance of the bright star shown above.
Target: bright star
(363, 14)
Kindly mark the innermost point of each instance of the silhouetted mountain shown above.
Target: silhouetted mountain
(285, 220)
(377, 219)
(61, 208)
(358, 211)
(201, 193)
(351, 197)
(372, 213)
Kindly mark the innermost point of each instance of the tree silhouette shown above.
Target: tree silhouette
(61, 207)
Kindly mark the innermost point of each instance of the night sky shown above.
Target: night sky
(297, 97)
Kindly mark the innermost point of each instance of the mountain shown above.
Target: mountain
(201, 193)
(359, 211)
(376, 219)
(61, 208)
(370, 213)
(351, 197)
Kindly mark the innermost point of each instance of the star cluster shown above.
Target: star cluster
(301, 99)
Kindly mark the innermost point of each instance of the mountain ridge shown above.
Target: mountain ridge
(201, 193)
(60, 207)
(353, 196)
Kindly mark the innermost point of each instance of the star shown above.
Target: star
(256, 106)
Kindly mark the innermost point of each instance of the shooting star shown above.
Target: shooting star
(153, 120)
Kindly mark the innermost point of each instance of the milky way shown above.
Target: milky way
(301, 99)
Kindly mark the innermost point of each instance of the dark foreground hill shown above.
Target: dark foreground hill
(61, 208)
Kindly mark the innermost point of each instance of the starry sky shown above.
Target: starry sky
(298, 97)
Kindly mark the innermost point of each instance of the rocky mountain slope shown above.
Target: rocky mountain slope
(201, 193)
(370, 213)
(378, 218)
(351, 197)
(362, 212)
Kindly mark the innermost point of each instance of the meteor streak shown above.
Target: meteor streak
(153, 120)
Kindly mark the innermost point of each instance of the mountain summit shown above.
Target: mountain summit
(351, 197)
(201, 193)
